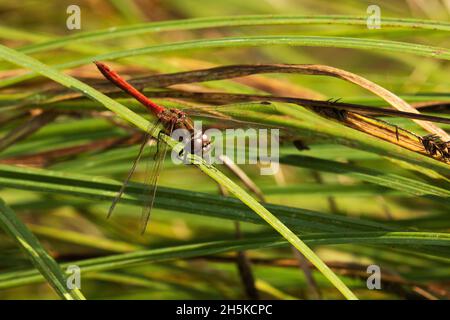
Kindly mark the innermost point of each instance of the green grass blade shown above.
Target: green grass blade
(255, 41)
(118, 261)
(97, 188)
(46, 265)
(227, 21)
(389, 180)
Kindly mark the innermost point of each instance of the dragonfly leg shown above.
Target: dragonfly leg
(158, 145)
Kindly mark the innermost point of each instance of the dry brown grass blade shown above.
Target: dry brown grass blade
(383, 93)
(236, 71)
(390, 133)
(224, 98)
(243, 70)
(270, 85)
(242, 176)
(188, 77)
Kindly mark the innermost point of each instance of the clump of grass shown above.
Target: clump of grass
(363, 189)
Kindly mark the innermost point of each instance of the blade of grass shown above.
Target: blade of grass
(83, 239)
(28, 62)
(37, 254)
(393, 181)
(118, 261)
(254, 41)
(97, 188)
(226, 21)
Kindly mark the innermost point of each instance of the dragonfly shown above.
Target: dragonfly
(170, 119)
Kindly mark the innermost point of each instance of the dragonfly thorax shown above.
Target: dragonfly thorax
(174, 119)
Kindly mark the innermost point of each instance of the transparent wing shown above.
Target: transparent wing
(148, 135)
(151, 182)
